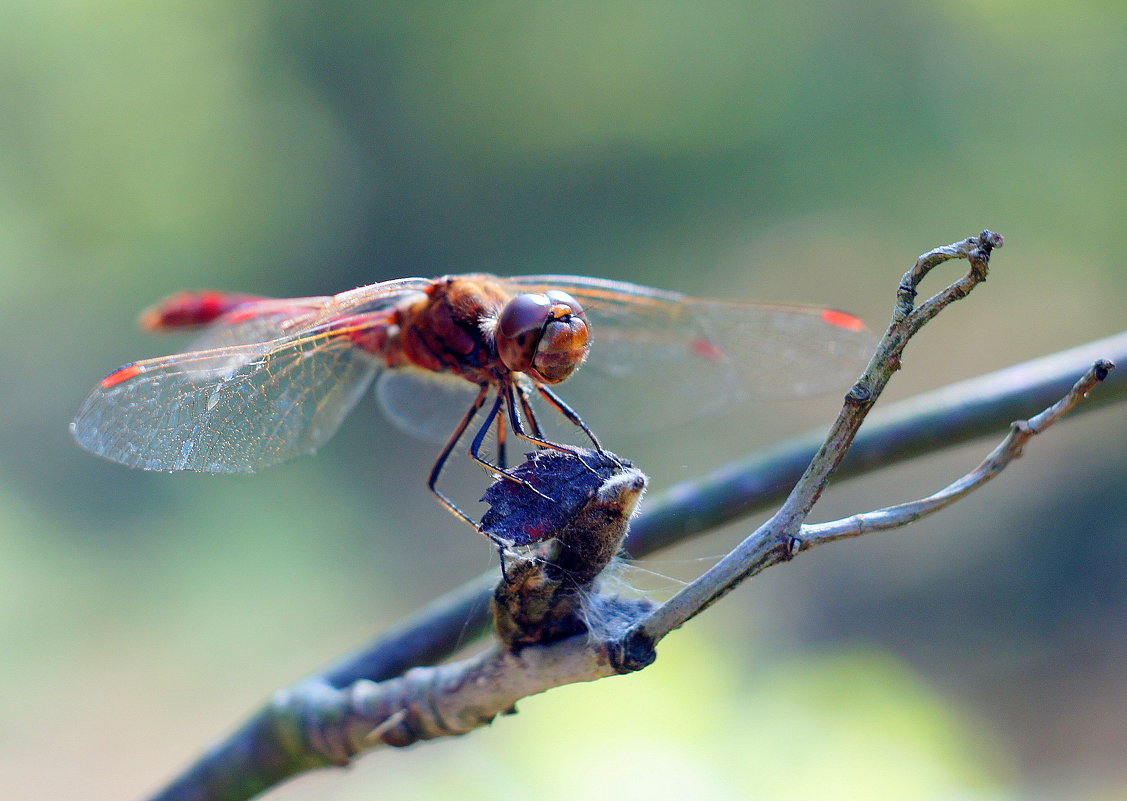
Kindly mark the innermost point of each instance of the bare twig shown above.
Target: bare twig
(316, 725)
(924, 424)
(775, 540)
(542, 601)
(1009, 449)
(548, 593)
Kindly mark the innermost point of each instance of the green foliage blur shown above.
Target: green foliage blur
(767, 151)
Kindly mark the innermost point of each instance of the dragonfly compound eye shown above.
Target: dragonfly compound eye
(544, 335)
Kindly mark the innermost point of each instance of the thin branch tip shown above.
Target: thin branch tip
(554, 624)
(1012, 447)
(989, 240)
(778, 540)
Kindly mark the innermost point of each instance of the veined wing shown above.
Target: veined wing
(360, 301)
(675, 358)
(424, 404)
(260, 320)
(266, 319)
(231, 409)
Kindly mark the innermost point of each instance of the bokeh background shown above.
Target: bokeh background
(767, 151)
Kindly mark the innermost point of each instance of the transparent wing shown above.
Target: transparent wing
(226, 410)
(257, 321)
(268, 381)
(269, 319)
(272, 318)
(425, 404)
(659, 358)
(359, 301)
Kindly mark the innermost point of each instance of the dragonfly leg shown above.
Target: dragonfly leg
(447, 449)
(502, 462)
(535, 438)
(529, 412)
(479, 439)
(561, 406)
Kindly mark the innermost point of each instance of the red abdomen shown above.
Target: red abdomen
(192, 309)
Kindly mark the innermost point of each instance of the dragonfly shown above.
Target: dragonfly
(268, 379)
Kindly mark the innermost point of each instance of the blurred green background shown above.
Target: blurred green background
(767, 151)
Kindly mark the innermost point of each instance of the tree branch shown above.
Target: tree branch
(547, 598)
(1009, 449)
(927, 423)
(553, 625)
(775, 540)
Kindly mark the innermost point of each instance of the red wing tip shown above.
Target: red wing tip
(843, 320)
(120, 375)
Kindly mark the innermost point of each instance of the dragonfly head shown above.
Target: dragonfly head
(543, 334)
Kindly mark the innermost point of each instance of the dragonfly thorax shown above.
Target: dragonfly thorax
(449, 329)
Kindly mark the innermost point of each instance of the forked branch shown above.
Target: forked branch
(1008, 449)
(778, 539)
(553, 625)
